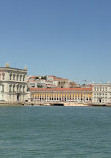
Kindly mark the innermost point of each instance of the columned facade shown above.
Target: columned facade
(61, 94)
(13, 84)
(101, 93)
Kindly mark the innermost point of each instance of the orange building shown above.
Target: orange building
(61, 94)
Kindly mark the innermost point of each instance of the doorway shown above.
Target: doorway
(18, 96)
(99, 100)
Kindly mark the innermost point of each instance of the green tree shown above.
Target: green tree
(39, 86)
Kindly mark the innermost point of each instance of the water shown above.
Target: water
(55, 132)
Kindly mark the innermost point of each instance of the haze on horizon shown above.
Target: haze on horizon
(65, 38)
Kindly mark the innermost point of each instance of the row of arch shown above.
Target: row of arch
(17, 88)
(61, 96)
(17, 77)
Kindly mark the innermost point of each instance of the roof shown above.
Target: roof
(60, 89)
(11, 68)
(55, 78)
(32, 77)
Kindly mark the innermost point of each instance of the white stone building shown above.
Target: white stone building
(101, 93)
(13, 84)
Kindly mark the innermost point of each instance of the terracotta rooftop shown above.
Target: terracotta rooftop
(32, 76)
(60, 89)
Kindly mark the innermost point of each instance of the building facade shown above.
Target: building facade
(13, 84)
(61, 94)
(101, 93)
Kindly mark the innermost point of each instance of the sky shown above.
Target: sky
(65, 38)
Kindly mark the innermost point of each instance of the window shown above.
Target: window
(2, 88)
(24, 78)
(9, 88)
(13, 88)
(20, 87)
(10, 76)
(13, 76)
(24, 89)
(3, 76)
(17, 77)
(20, 77)
(17, 88)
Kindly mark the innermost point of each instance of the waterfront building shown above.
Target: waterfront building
(13, 84)
(101, 93)
(61, 94)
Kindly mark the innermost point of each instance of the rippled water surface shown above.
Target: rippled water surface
(55, 132)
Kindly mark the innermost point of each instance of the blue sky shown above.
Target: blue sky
(66, 38)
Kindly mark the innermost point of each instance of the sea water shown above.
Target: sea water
(55, 132)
